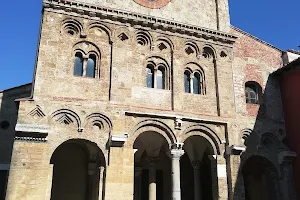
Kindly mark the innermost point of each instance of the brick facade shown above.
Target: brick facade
(65, 107)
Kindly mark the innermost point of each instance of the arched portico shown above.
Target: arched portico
(260, 179)
(78, 167)
(156, 163)
(198, 171)
(152, 167)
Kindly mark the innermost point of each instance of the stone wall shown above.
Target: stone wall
(66, 107)
(8, 118)
(206, 13)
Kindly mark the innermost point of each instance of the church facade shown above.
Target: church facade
(140, 99)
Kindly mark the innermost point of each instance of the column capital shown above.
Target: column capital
(196, 164)
(153, 160)
(176, 150)
(286, 157)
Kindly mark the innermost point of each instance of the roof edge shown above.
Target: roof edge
(23, 85)
(255, 38)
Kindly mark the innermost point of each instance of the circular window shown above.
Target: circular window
(4, 124)
(153, 3)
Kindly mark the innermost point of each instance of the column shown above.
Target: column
(197, 180)
(137, 183)
(175, 153)
(192, 83)
(101, 182)
(286, 159)
(152, 177)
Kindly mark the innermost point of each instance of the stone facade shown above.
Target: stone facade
(113, 115)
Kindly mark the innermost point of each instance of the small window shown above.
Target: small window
(196, 83)
(160, 78)
(91, 66)
(252, 92)
(150, 76)
(78, 64)
(187, 87)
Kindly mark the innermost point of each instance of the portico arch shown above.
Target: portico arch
(260, 179)
(196, 167)
(152, 167)
(153, 126)
(77, 170)
(205, 132)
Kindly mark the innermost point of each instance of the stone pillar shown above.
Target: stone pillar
(175, 153)
(192, 83)
(197, 180)
(214, 177)
(286, 159)
(137, 183)
(219, 177)
(152, 177)
(101, 182)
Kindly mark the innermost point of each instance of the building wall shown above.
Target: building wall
(8, 119)
(120, 100)
(290, 99)
(207, 14)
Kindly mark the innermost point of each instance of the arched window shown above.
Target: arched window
(196, 83)
(78, 64)
(252, 92)
(160, 78)
(150, 76)
(187, 86)
(91, 66)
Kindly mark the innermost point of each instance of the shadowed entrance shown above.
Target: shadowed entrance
(260, 179)
(196, 169)
(76, 171)
(152, 168)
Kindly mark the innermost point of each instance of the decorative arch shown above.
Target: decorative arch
(90, 165)
(196, 78)
(209, 52)
(66, 116)
(144, 38)
(71, 27)
(165, 40)
(87, 47)
(101, 27)
(205, 132)
(191, 48)
(154, 64)
(88, 146)
(270, 141)
(88, 54)
(254, 168)
(99, 120)
(155, 126)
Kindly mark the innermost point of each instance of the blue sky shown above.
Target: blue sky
(274, 21)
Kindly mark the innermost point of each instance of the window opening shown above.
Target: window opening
(91, 66)
(78, 64)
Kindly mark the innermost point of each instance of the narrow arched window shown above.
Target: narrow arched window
(196, 83)
(187, 87)
(91, 66)
(252, 92)
(160, 78)
(150, 76)
(78, 64)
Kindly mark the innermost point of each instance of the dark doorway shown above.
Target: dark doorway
(260, 179)
(3, 183)
(70, 174)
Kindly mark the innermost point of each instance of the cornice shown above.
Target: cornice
(139, 19)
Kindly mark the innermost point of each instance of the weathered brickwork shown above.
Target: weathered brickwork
(110, 115)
